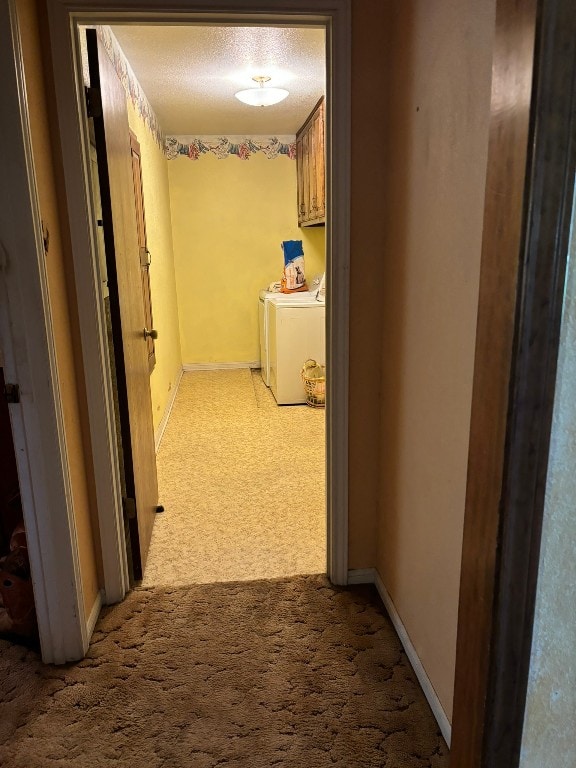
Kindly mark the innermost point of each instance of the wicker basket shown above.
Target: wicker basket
(314, 378)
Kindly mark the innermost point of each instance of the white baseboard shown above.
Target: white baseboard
(371, 576)
(167, 411)
(362, 576)
(219, 366)
(94, 613)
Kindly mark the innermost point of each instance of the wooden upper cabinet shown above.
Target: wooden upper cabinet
(311, 169)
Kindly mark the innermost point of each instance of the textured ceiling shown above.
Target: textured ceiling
(191, 73)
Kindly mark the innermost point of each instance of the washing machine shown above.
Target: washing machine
(296, 333)
(265, 298)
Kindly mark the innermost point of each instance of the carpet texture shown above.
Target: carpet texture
(291, 672)
(243, 484)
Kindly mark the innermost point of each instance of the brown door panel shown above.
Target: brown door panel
(127, 308)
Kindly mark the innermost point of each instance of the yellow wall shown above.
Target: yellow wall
(228, 218)
(62, 299)
(436, 141)
(162, 280)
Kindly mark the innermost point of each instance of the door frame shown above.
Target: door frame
(542, 284)
(527, 224)
(29, 357)
(64, 18)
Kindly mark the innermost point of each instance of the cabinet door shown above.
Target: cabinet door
(319, 203)
(313, 197)
(306, 148)
(300, 178)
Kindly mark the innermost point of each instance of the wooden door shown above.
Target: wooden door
(145, 257)
(108, 107)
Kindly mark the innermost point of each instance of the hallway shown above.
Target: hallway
(254, 669)
(287, 672)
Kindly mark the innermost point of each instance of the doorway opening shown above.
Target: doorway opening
(17, 610)
(227, 201)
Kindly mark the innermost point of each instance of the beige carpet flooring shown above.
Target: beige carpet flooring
(291, 673)
(243, 484)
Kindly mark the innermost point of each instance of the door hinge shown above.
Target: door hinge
(93, 102)
(129, 507)
(12, 393)
(145, 257)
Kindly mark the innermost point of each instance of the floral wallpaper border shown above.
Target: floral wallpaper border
(222, 147)
(127, 78)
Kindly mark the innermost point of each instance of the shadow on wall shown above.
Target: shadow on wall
(370, 213)
(398, 142)
(381, 152)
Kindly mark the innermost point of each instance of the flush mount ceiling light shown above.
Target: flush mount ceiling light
(261, 96)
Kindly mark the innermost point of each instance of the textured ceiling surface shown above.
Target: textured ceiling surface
(191, 73)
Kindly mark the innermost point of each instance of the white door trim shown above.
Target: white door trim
(93, 334)
(29, 359)
(64, 17)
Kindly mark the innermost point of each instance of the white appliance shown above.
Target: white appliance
(296, 333)
(263, 323)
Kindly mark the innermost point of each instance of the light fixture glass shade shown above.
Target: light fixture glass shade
(262, 97)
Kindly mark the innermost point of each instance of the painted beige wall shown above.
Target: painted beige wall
(62, 298)
(551, 700)
(436, 142)
(228, 220)
(162, 278)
